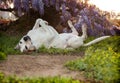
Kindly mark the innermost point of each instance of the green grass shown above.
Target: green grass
(55, 51)
(14, 79)
(7, 44)
(101, 61)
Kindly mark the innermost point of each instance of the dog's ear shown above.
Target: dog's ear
(26, 38)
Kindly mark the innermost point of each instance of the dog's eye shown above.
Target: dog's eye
(20, 42)
(26, 47)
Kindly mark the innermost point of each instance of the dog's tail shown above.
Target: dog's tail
(96, 40)
(74, 31)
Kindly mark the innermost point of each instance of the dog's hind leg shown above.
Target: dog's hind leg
(37, 24)
(74, 31)
(84, 31)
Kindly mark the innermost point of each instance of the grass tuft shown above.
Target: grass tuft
(57, 79)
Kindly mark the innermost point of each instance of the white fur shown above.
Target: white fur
(39, 36)
(72, 40)
(44, 34)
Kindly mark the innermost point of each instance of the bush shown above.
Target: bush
(14, 79)
(3, 56)
(101, 61)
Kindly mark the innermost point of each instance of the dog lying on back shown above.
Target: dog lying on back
(43, 34)
(38, 36)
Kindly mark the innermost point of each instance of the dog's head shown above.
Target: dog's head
(25, 44)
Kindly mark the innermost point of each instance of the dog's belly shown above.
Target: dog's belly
(40, 37)
(61, 41)
(75, 42)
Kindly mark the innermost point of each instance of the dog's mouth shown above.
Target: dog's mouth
(31, 49)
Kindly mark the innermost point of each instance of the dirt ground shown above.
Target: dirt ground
(39, 66)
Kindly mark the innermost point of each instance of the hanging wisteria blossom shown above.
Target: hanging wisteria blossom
(41, 7)
(17, 4)
(52, 2)
(25, 4)
(35, 4)
(46, 2)
(97, 23)
(57, 5)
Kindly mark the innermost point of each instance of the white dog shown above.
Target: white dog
(44, 34)
(41, 34)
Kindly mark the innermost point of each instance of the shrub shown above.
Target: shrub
(101, 61)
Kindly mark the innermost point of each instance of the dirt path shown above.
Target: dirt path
(39, 66)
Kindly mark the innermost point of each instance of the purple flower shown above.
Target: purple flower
(75, 12)
(52, 2)
(46, 2)
(41, 7)
(112, 32)
(63, 8)
(17, 4)
(57, 5)
(72, 4)
(25, 4)
(35, 4)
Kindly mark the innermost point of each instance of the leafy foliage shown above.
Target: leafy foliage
(101, 61)
(14, 79)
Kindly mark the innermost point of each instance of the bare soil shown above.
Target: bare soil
(39, 66)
